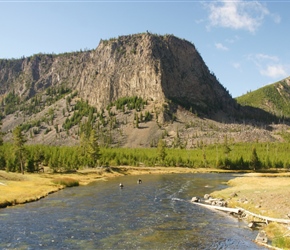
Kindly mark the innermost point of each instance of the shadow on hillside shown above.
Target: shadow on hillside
(252, 115)
(237, 114)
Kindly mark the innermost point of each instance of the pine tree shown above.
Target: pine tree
(83, 148)
(137, 120)
(19, 150)
(161, 150)
(1, 134)
(255, 162)
(93, 149)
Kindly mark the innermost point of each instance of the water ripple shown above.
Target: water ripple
(153, 215)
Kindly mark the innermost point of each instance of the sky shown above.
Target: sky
(246, 44)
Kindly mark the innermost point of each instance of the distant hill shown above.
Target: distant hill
(133, 90)
(273, 98)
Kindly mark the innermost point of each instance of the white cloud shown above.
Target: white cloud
(239, 14)
(221, 47)
(270, 66)
(236, 65)
(263, 57)
(274, 71)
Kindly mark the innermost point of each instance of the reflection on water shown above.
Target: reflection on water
(153, 215)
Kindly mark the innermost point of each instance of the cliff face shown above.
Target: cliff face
(186, 79)
(122, 67)
(43, 93)
(145, 65)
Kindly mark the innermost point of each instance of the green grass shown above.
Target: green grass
(279, 235)
(273, 98)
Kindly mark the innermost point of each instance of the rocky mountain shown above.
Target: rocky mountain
(133, 90)
(145, 65)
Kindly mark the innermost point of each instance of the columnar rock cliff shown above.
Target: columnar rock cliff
(182, 100)
(153, 67)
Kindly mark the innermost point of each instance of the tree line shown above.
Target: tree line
(20, 157)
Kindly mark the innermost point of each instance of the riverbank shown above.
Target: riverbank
(261, 193)
(264, 194)
(16, 188)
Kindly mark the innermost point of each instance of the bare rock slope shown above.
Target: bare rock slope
(166, 71)
(145, 65)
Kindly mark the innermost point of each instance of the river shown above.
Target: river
(156, 214)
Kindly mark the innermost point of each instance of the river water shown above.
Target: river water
(156, 214)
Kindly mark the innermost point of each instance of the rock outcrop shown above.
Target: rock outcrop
(183, 100)
(153, 67)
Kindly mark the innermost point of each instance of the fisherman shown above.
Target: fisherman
(121, 185)
(139, 181)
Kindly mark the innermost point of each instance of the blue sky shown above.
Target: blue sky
(246, 44)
